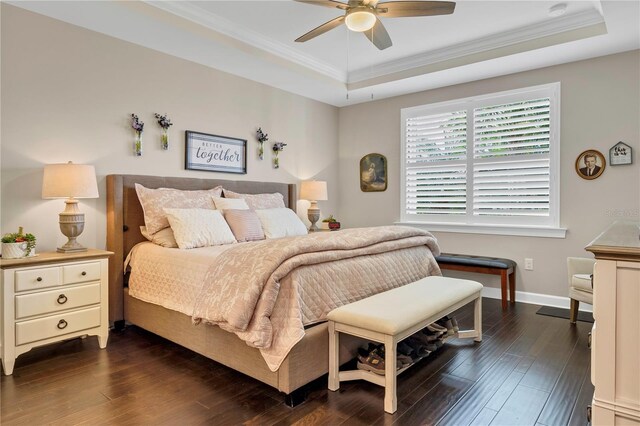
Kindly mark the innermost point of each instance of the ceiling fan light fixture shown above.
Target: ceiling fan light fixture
(360, 20)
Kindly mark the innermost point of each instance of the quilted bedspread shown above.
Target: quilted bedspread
(266, 292)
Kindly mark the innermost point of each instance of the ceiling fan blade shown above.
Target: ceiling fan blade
(400, 9)
(379, 36)
(325, 3)
(321, 29)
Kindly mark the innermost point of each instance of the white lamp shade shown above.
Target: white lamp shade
(313, 190)
(69, 181)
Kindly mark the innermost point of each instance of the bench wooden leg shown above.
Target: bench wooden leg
(477, 319)
(390, 399)
(334, 357)
(512, 286)
(503, 288)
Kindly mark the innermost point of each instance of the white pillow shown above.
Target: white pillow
(199, 227)
(230, 203)
(163, 237)
(282, 222)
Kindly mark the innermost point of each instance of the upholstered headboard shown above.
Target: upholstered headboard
(125, 216)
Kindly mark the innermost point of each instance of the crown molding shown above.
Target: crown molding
(528, 33)
(194, 13)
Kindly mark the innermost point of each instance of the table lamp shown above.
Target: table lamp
(314, 191)
(70, 181)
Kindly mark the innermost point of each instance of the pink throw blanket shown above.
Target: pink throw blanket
(242, 291)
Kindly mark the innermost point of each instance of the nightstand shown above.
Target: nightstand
(53, 297)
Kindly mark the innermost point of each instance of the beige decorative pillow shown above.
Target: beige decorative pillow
(230, 203)
(278, 223)
(244, 224)
(153, 202)
(259, 201)
(199, 228)
(163, 237)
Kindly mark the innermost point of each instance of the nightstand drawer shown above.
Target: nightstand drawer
(45, 302)
(34, 279)
(81, 272)
(56, 325)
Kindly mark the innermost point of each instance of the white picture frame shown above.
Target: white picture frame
(214, 153)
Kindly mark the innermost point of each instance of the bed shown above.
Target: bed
(124, 218)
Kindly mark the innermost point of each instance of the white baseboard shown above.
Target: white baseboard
(535, 299)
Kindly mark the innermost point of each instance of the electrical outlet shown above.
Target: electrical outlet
(528, 264)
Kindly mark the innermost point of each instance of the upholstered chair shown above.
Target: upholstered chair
(580, 288)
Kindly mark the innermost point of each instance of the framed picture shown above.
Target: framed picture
(590, 164)
(620, 154)
(373, 173)
(215, 153)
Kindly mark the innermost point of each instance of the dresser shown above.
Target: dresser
(615, 348)
(52, 297)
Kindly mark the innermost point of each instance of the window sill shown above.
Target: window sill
(520, 231)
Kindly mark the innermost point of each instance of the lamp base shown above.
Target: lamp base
(71, 225)
(67, 248)
(313, 214)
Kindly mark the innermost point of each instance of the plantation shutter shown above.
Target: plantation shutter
(511, 159)
(489, 161)
(436, 153)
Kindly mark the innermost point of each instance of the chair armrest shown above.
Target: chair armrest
(579, 265)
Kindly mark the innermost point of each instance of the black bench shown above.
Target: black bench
(484, 265)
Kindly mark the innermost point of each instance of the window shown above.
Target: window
(487, 161)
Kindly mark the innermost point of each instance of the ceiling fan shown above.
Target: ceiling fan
(363, 16)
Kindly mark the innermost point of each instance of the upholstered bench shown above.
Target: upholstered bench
(394, 315)
(484, 265)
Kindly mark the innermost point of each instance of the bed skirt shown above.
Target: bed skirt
(301, 366)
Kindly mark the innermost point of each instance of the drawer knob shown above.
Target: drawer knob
(62, 324)
(62, 299)
(39, 279)
(83, 273)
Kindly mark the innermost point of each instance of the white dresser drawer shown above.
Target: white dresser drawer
(56, 325)
(34, 279)
(81, 272)
(45, 302)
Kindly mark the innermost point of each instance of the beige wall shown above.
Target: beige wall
(600, 105)
(67, 94)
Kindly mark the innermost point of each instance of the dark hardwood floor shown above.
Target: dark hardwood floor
(528, 370)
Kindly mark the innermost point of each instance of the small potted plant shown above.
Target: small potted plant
(330, 223)
(18, 244)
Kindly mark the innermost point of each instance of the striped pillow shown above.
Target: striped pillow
(244, 224)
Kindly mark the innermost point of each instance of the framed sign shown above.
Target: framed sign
(590, 164)
(620, 154)
(373, 173)
(215, 153)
